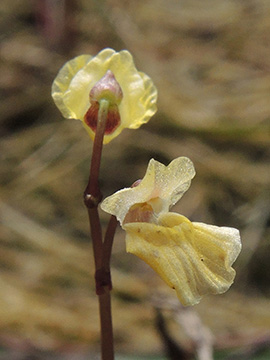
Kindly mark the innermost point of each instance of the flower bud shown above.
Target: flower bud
(107, 88)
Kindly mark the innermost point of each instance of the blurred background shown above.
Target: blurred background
(210, 61)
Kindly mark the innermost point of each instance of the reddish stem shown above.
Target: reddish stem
(92, 197)
(108, 242)
(92, 191)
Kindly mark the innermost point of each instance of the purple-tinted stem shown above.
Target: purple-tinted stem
(92, 198)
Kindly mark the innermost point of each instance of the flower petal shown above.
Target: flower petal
(162, 186)
(173, 181)
(62, 82)
(194, 259)
(148, 103)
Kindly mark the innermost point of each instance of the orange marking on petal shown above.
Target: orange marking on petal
(139, 213)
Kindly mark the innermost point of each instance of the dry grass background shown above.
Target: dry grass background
(210, 61)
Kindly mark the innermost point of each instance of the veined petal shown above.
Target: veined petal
(162, 186)
(62, 82)
(194, 259)
(172, 181)
(147, 101)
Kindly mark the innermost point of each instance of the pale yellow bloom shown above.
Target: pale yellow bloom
(193, 258)
(75, 80)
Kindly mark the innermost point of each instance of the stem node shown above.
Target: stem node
(92, 201)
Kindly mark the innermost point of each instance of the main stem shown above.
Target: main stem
(92, 197)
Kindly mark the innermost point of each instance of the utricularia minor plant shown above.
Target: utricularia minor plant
(107, 94)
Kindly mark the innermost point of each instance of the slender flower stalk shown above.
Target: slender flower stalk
(108, 242)
(92, 198)
(92, 188)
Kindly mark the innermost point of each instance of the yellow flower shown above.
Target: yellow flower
(193, 258)
(74, 82)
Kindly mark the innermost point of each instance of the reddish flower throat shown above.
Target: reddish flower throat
(113, 118)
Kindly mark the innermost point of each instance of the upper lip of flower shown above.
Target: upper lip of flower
(161, 187)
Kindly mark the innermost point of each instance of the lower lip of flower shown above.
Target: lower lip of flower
(113, 118)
